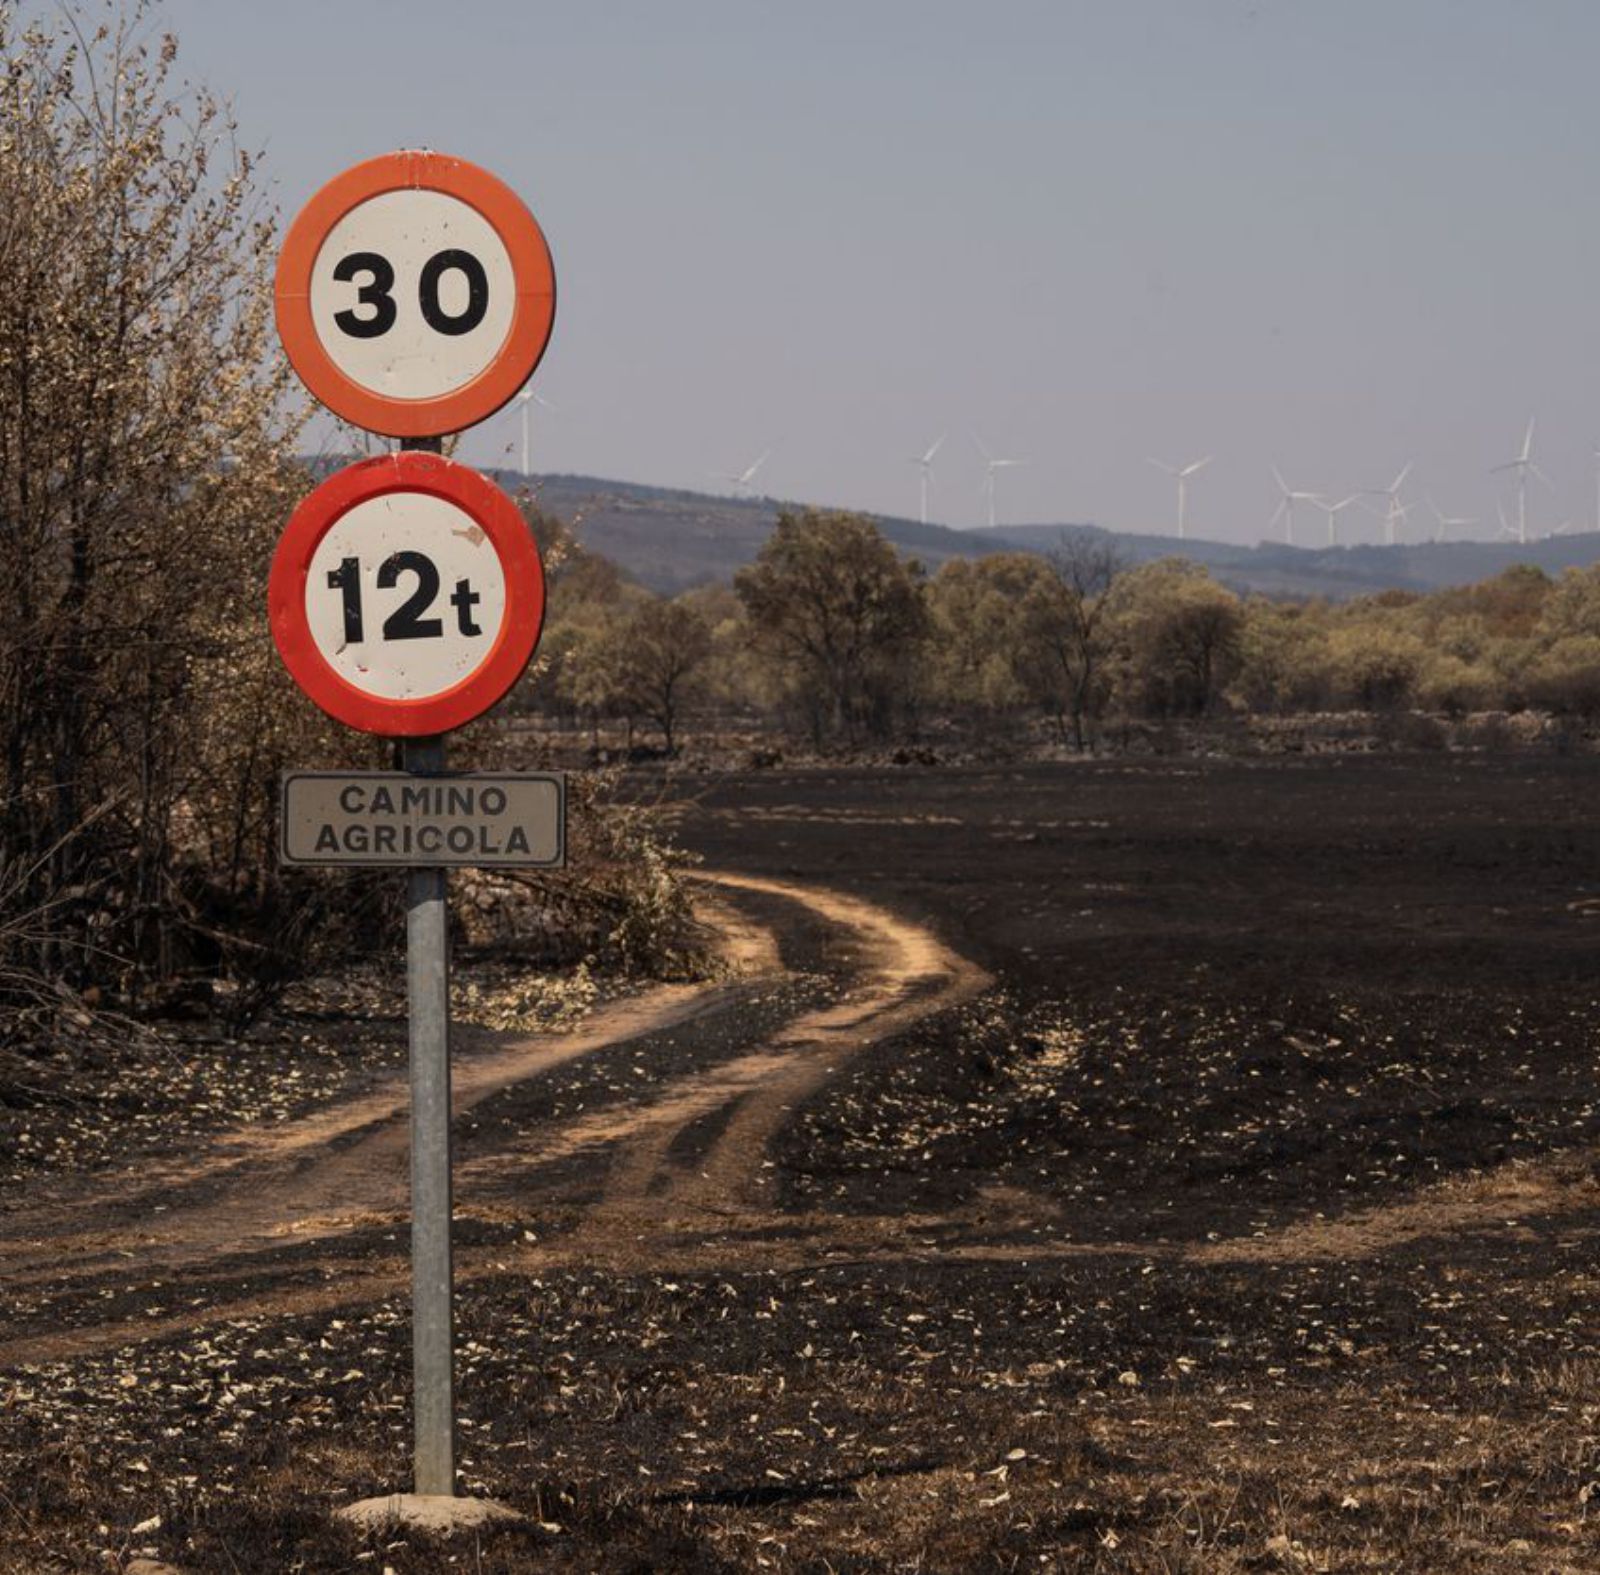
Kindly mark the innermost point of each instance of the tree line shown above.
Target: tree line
(835, 638)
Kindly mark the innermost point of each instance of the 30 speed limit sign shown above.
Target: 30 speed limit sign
(406, 595)
(415, 294)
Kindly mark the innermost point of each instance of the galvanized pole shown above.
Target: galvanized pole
(428, 999)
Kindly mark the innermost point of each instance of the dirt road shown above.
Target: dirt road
(309, 1213)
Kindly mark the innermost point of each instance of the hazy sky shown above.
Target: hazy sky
(1329, 236)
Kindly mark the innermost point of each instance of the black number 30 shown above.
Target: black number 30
(377, 293)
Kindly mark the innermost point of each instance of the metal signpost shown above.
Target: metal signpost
(415, 296)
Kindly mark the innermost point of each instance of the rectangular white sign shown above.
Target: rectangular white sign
(514, 820)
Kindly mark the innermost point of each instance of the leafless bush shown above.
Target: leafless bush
(145, 470)
(621, 903)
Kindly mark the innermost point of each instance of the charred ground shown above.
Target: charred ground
(1246, 1221)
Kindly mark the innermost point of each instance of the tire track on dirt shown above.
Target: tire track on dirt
(909, 974)
(283, 1188)
(339, 1166)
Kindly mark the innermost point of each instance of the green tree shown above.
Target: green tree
(1565, 676)
(838, 617)
(663, 647)
(975, 661)
(1572, 606)
(1066, 631)
(1283, 658)
(1376, 665)
(1179, 635)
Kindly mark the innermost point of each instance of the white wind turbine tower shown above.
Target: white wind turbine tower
(1285, 508)
(1396, 512)
(990, 466)
(527, 398)
(1522, 464)
(1450, 522)
(924, 462)
(741, 482)
(1333, 511)
(1181, 476)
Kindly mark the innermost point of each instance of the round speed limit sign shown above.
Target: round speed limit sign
(415, 294)
(406, 595)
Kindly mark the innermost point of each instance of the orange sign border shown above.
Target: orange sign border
(503, 663)
(533, 316)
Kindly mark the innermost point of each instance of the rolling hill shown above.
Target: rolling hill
(671, 540)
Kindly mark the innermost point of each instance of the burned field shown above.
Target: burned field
(1157, 1165)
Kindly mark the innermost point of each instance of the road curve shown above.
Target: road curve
(252, 1194)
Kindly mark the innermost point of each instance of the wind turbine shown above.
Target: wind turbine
(741, 482)
(990, 466)
(1285, 509)
(1522, 464)
(1449, 522)
(1333, 511)
(1182, 478)
(924, 462)
(527, 398)
(1395, 515)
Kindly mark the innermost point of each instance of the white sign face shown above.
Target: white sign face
(412, 294)
(405, 595)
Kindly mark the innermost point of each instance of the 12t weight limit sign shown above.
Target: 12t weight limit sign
(396, 565)
(406, 595)
(415, 294)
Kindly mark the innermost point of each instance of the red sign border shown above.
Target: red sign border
(507, 530)
(532, 319)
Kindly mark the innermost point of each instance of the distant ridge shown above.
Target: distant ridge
(671, 540)
(1338, 573)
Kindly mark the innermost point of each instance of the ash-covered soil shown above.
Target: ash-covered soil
(1245, 1221)
(82, 1092)
(1230, 993)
